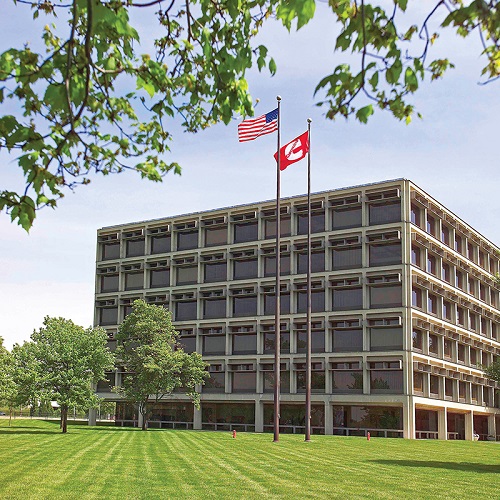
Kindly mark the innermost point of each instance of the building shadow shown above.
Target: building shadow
(459, 466)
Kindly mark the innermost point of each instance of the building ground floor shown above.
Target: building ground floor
(405, 417)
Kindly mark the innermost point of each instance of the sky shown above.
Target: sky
(452, 153)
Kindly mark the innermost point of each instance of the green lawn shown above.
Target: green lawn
(37, 461)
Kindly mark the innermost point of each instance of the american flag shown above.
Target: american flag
(255, 127)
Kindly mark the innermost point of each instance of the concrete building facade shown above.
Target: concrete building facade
(405, 313)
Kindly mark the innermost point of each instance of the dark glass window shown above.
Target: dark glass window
(445, 235)
(269, 342)
(109, 283)
(245, 306)
(215, 236)
(433, 344)
(215, 384)
(458, 244)
(446, 273)
(188, 344)
(446, 310)
(270, 303)
(416, 298)
(185, 310)
(417, 340)
(432, 304)
(383, 214)
(214, 344)
(134, 281)
(244, 343)
(108, 316)
(348, 298)
(187, 275)
(386, 381)
(431, 264)
(346, 218)
(284, 381)
(317, 262)
(317, 341)
(473, 357)
(385, 296)
(346, 258)
(270, 227)
(216, 271)
(243, 269)
(385, 255)
(367, 417)
(159, 278)
(187, 240)
(270, 265)
(317, 301)
(135, 248)
(386, 339)
(447, 348)
(111, 251)
(461, 353)
(160, 244)
(346, 381)
(214, 308)
(415, 215)
(244, 381)
(431, 225)
(245, 232)
(434, 385)
(317, 381)
(350, 340)
(418, 382)
(317, 223)
(415, 256)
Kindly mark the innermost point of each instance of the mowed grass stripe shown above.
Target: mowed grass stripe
(36, 461)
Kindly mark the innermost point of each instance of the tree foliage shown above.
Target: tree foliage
(62, 363)
(89, 102)
(493, 371)
(154, 362)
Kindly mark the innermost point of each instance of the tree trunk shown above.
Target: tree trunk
(64, 418)
(144, 411)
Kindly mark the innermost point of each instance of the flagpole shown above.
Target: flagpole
(277, 322)
(308, 350)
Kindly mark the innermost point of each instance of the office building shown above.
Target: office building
(405, 312)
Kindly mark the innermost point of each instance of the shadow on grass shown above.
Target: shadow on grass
(460, 466)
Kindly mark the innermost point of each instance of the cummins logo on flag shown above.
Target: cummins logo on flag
(293, 151)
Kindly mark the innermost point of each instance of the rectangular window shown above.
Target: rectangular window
(416, 298)
(431, 225)
(270, 265)
(447, 348)
(445, 235)
(215, 271)
(244, 305)
(317, 341)
(385, 255)
(245, 231)
(109, 283)
(459, 280)
(159, 278)
(386, 380)
(187, 275)
(135, 248)
(448, 388)
(418, 382)
(347, 378)
(214, 308)
(447, 310)
(386, 339)
(460, 316)
(215, 236)
(473, 357)
(269, 342)
(284, 381)
(347, 340)
(461, 353)
(317, 262)
(216, 383)
(458, 244)
(317, 301)
(346, 258)
(317, 222)
(134, 281)
(434, 385)
(344, 218)
(108, 316)
(446, 273)
(431, 264)
(415, 215)
(111, 251)
(244, 269)
(433, 344)
(386, 213)
(214, 344)
(270, 227)
(244, 343)
(347, 299)
(385, 296)
(415, 255)
(431, 304)
(187, 240)
(185, 310)
(160, 244)
(270, 303)
(417, 342)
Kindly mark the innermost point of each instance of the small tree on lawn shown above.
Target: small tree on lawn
(154, 362)
(67, 360)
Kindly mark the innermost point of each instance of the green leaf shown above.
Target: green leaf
(364, 113)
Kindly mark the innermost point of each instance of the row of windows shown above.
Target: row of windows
(251, 303)
(245, 265)
(454, 275)
(452, 312)
(449, 389)
(161, 240)
(450, 349)
(451, 237)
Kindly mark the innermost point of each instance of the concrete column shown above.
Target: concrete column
(469, 426)
(442, 424)
(259, 416)
(409, 419)
(197, 419)
(328, 418)
(92, 416)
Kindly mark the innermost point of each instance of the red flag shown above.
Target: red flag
(293, 151)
